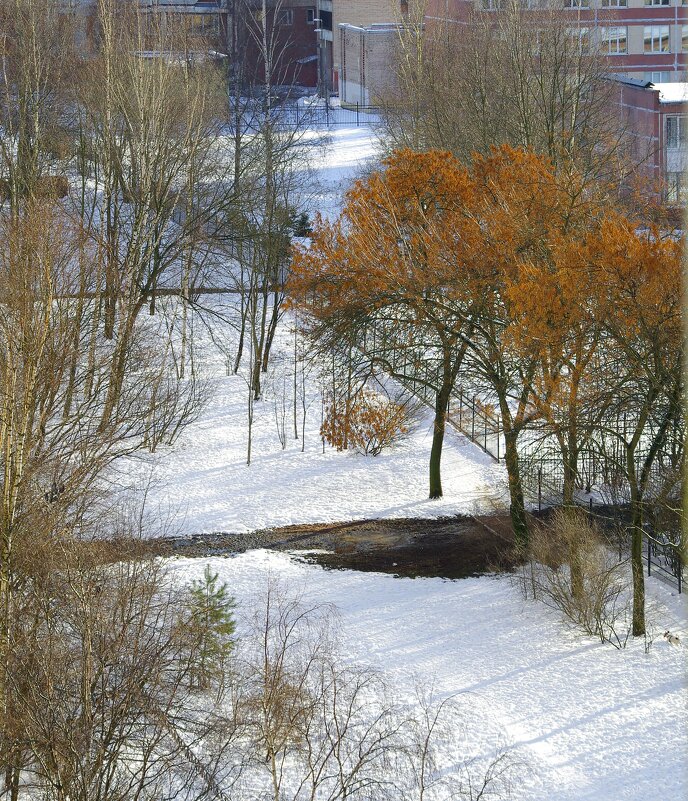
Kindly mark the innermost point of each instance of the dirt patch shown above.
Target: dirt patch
(449, 547)
(454, 547)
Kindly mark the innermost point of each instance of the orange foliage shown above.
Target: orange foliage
(534, 264)
(371, 424)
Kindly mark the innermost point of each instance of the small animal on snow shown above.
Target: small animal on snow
(672, 639)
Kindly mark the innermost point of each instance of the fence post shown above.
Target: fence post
(357, 115)
(497, 437)
(460, 405)
(539, 489)
(485, 437)
(649, 557)
(473, 421)
(680, 572)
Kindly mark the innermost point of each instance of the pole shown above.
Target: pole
(649, 557)
(497, 437)
(680, 575)
(473, 421)
(539, 489)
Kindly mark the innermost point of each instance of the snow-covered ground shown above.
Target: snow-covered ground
(203, 483)
(584, 721)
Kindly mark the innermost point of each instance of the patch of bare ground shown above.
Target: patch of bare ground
(448, 547)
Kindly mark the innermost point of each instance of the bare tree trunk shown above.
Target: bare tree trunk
(296, 375)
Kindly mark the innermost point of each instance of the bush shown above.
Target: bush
(369, 423)
(595, 599)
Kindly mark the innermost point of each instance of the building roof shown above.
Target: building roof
(672, 92)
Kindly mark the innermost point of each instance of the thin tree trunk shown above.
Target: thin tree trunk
(517, 508)
(272, 328)
(438, 429)
(296, 377)
(570, 464)
(637, 570)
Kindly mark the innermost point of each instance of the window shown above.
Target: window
(656, 2)
(676, 130)
(684, 38)
(657, 77)
(576, 4)
(614, 40)
(581, 37)
(285, 16)
(614, 3)
(325, 20)
(310, 16)
(676, 188)
(656, 39)
(493, 5)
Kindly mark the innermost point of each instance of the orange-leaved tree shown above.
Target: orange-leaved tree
(640, 273)
(379, 276)
(530, 219)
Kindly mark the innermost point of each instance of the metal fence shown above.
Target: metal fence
(477, 422)
(664, 557)
(324, 115)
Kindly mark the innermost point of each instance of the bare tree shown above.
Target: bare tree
(530, 77)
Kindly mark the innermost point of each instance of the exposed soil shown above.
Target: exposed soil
(449, 547)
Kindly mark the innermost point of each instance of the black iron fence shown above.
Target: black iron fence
(664, 557)
(477, 421)
(324, 115)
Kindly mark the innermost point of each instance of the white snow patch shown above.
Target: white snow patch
(586, 721)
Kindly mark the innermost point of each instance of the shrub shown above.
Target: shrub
(369, 423)
(597, 601)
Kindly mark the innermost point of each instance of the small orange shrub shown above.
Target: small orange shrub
(373, 423)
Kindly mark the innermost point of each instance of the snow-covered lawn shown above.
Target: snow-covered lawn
(203, 483)
(584, 721)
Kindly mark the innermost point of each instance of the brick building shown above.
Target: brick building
(365, 58)
(642, 39)
(293, 41)
(656, 115)
(362, 14)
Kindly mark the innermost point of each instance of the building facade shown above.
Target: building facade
(641, 39)
(360, 14)
(291, 37)
(366, 55)
(656, 117)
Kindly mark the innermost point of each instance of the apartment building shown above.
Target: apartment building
(642, 39)
(657, 117)
(292, 35)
